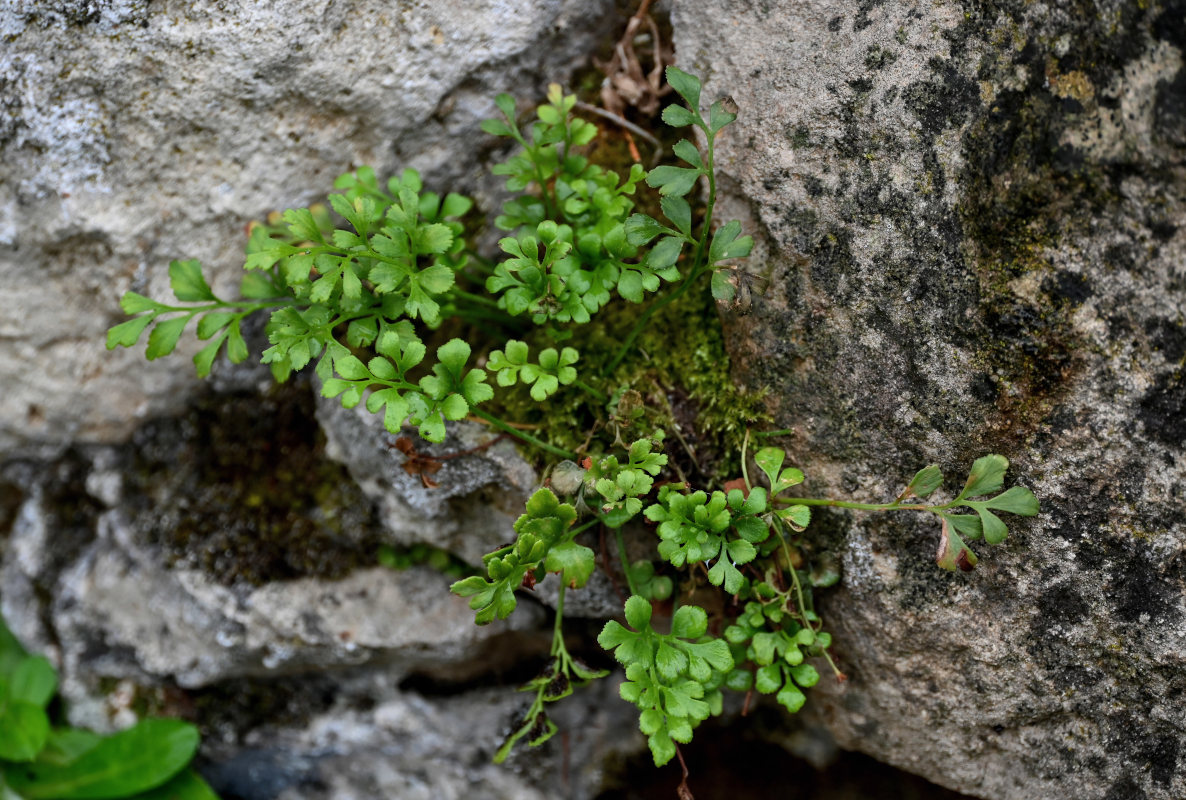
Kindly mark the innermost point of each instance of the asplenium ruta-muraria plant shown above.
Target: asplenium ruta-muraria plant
(42, 759)
(364, 297)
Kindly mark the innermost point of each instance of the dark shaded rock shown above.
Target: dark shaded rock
(974, 243)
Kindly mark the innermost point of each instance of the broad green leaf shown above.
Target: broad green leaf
(135, 760)
(127, 333)
(987, 476)
(187, 785)
(185, 278)
(791, 698)
(924, 482)
(630, 286)
(351, 368)
(436, 279)
(24, 728)
(727, 244)
(768, 679)
(66, 744)
(163, 338)
(302, 225)
(455, 205)
(453, 355)
(685, 84)
(434, 238)
(1016, 500)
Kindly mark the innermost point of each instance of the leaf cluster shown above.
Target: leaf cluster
(620, 486)
(544, 544)
(697, 527)
(570, 252)
(986, 477)
(675, 183)
(776, 644)
(674, 679)
(40, 760)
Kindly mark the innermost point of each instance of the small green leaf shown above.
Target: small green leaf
(212, 323)
(236, 348)
(1016, 500)
(638, 612)
(665, 253)
(686, 85)
(679, 212)
(257, 286)
(127, 333)
(676, 181)
(575, 562)
(723, 289)
(924, 482)
(688, 152)
(204, 358)
(718, 117)
(994, 528)
(163, 338)
(185, 278)
(453, 355)
(769, 460)
(677, 116)
(133, 303)
(987, 476)
(689, 622)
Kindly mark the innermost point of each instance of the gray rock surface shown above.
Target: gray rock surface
(148, 572)
(481, 484)
(972, 223)
(133, 133)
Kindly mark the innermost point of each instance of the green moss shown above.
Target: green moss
(679, 372)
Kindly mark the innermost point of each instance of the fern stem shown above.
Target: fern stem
(507, 428)
(625, 564)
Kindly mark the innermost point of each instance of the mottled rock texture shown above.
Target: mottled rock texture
(220, 567)
(974, 227)
(133, 133)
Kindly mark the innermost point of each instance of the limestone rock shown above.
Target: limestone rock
(972, 230)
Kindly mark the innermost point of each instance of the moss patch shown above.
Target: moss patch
(240, 488)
